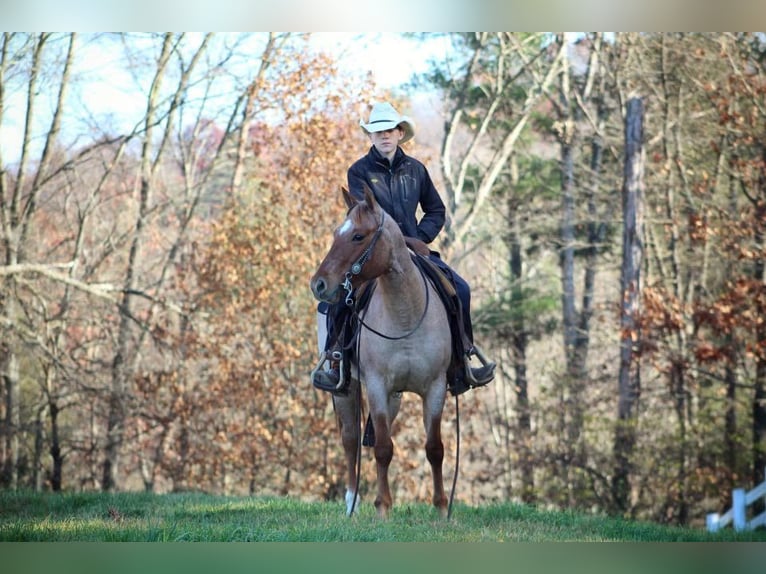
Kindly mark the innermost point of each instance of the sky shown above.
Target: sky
(391, 58)
(424, 15)
(107, 89)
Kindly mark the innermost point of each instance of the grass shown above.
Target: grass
(142, 517)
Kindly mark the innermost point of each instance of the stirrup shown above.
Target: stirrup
(341, 389)
(479, 376)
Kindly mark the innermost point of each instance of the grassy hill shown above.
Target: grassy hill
(140, 517)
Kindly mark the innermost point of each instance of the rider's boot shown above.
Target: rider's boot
(330, 380)
(480, 375)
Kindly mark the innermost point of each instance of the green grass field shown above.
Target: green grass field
(139, 517)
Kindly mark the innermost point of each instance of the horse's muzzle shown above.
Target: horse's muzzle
(322, 291)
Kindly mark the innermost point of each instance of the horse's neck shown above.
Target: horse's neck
(402, 286)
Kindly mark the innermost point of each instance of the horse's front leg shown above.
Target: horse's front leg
(432, 418)
(384, 452)
(347, 411)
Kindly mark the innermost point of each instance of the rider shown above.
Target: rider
(400, 183)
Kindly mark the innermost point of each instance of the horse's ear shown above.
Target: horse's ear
(369, 197)
(348, 198)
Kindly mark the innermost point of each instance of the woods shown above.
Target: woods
(606, 199)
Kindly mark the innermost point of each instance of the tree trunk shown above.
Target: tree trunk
(572, 387)
(596, 235)
(730, 430)
(682, 281)
(36, 480)
(519, 342)
(519, 351)
(121, 364)
(573, 109)
(732, 458)
(56, 456)
(759, 393)
(14, 221)
(9, 368)
(632, 253)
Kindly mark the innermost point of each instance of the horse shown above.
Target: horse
(404, 342)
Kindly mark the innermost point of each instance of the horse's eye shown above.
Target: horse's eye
(357, 237)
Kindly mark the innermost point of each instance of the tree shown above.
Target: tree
(573, 110)
(632, 249)
(126, 357)
(741, 147)
(22, 61)
(491, 101)
(487, 94)
(242, 416)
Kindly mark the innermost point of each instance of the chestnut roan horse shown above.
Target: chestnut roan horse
(404, 341)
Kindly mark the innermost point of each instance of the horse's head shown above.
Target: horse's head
(357, 253)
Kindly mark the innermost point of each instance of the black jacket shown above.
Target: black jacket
(399, 188)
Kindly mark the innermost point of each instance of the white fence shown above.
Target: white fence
(737, 514)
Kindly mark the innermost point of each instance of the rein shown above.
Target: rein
(415, 328)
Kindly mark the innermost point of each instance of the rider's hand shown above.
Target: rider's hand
(417, 246)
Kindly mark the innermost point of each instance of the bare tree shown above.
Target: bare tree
(18, 206)
(632, 250)
(498, 62)
(491, 102)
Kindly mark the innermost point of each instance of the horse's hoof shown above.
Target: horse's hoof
(382, 510)
(351, 500)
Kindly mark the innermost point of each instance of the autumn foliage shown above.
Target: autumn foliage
(156, 326)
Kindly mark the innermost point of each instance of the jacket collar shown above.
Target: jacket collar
(378, 158)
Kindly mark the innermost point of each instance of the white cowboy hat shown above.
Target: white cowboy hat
(384, 117)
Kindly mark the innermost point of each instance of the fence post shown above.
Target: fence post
(738, 508)
(712, 522)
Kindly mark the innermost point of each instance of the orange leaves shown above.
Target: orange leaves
(251, 340)
(742, 305)
(706, 352)
(698, 227)
(660, 311)
(737, 315)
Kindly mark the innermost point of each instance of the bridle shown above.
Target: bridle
(356, 266)
(356, 269)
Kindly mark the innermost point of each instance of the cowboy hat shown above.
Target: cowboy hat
(384, 117)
